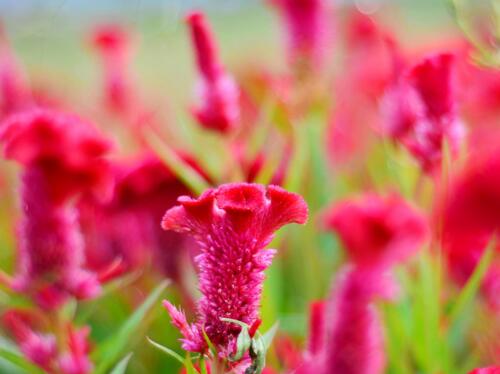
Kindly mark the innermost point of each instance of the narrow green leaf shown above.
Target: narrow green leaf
(121, 367)
(166, 350)
(268, 336)
(19, 361)
(108, 352)
(469, 291)
(189, 176)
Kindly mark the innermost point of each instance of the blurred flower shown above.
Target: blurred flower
(113, 44)
(39, 349)
(433, 81)
(232, 224)
(377, 231)
(307, 25)
(62, 157)
(488, 370)
(470, 213)
(218, 95)
(76, 360)
(14, 89)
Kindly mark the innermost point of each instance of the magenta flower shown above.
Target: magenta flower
(376, 230)
(233, 224)
(432, 81)
(41, 349)
(15, 93)
(377, 233)
(218, 95)
(316, 327)
(76, 360)
(306, 23)
(62, 157)
(488, 370)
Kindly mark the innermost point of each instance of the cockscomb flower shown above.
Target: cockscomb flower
(377, 230)
(217, 92)
(14, 90)
(41, 349)
(113, 44)
(433, 82)
(62, 157)
(233, 224)
(76, 360)
(306, 24)
(470, 214)
(488, 370)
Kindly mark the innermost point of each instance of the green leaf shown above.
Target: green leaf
(166, 350)
(18, 360)
(110, 350)
(121, 367)
(268, 336)
(185, 172)
(469, 291)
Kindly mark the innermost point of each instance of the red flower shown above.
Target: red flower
(471, 215)
(63, 157)
(218, 95)
(306, 23)
(488, 370)
(233, 224)
(375, 230)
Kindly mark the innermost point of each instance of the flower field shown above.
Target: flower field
(278, 186)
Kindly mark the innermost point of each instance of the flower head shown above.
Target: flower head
(376, 230)
(488, 370)
(66, 149)
(76, 360)
(218, 95)
(62, 157)
(233, 224)
(432, 80)
(306, 25)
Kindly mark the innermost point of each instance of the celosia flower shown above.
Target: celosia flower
(376, 230)
(307, 27)
(488, 370)
(316, 327)
(40, 349)
(14, 90)
(76, 360)
(376, 233)
(233, 224)
(62, 156)
(470, 216)
(217, 92)
(113, 44)
(433, 81)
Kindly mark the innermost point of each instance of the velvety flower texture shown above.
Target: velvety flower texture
(218, 95)
(233, 224)
(376, 232)
(306, 25)
(51, 247)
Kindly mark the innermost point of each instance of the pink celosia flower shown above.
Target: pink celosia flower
(376, 233)
(233, 224)
(433, 81)
(38, 348)
(62, 156)
(113, 44)
(488, 370)
(76, 360)
(470, 214)
(316, 327)
(218, 94)
(307, 28)
(14, 90)
(376, 230)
